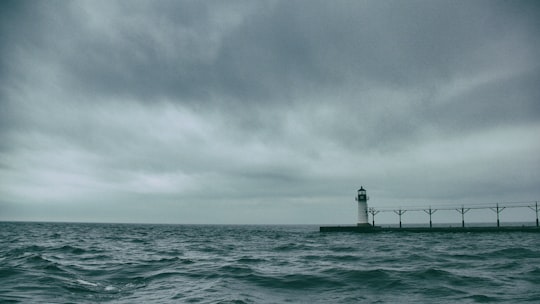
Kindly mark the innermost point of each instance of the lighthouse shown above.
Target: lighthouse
(362, 199)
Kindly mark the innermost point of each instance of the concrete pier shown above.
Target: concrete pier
(378, 229)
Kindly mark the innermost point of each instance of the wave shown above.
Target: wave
(261, 264)
(513, 253)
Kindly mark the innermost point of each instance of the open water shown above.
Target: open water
(125, 263)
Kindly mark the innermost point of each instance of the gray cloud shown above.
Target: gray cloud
(198, 109)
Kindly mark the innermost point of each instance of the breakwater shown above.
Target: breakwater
(378, 229)
(497, 208)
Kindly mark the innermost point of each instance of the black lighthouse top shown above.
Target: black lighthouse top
(362, 194)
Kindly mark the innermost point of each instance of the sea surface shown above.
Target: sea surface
(128, 263)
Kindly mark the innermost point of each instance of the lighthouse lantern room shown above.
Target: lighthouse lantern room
(362, 199)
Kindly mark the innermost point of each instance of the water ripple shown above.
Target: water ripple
(88, 263)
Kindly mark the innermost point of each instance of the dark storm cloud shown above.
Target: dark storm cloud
(274, 48)
(274, 52)
(506, 101)
(284, 47)
(267, 101)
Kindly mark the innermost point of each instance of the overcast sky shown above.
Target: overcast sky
(264, 111)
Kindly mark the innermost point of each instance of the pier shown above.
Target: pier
(378, 229)
(364, 225)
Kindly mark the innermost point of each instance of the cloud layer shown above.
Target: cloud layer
(264, 112)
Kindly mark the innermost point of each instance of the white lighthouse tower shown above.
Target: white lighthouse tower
(362, 199)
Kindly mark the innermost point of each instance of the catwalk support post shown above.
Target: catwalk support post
(400, 213)
(498, 210)
(430, 212)
(373, 212)
(535, 209)
(463, 210)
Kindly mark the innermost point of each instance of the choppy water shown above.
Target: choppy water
(120, 263)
